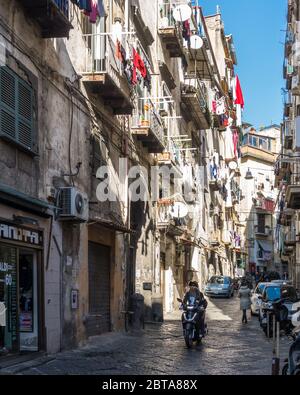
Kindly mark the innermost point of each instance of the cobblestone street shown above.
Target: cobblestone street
(231, 348)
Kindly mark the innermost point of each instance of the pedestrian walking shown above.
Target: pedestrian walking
(245, 301)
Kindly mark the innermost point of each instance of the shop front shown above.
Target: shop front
(21, 249)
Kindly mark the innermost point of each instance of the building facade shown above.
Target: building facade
(287, 176)
(99, 109)
(260, 151)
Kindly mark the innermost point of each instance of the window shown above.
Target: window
(16, 110)
(261, 223)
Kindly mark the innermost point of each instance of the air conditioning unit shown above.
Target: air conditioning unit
(74, 205)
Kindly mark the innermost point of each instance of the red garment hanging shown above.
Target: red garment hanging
(239, 93)
(118, 51)
(139, 64)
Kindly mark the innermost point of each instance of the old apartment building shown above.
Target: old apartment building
(260, 150)
(88, 92)
(287, 166)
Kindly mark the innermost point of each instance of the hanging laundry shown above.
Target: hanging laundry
(229, 146)
(235, 142)
(186, 31)
(239, 94)
(138, 64)
(118, 50)
(214, 106)
(94, 13)
(101, 9)
(83, 5)
(221, 106)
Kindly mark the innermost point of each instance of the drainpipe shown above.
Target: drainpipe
(61, 289)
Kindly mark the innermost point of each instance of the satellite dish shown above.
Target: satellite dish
(233, 165)
(196, 42)
(182, 13)
(179, 210)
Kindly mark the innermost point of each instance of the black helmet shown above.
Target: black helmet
(194, 284)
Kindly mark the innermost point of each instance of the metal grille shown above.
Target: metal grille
(99, 289)
(16, 106)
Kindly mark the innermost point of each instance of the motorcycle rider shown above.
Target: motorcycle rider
(194, 291)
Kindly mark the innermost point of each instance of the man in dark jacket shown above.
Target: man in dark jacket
(195, 292)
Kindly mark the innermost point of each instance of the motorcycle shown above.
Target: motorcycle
(191, 315)
(282, 309)
(292, 364)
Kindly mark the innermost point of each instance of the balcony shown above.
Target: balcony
(51, 15)
(215, 239)
(170, 31)
(166, 223)
(103, 73)
(168, 159)
(287, 134)
(293, 192)
(295, 85)
(296, 135)
(291, 238)
(262, 231)
(194, 98)
(226, 238)
(148, 127)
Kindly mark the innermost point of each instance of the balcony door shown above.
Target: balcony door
(261, 223)
(95, 41)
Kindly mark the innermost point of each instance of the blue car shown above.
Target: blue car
(220, 286)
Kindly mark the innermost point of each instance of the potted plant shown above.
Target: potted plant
(144, 121)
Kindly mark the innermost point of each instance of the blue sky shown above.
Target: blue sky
(257, 27)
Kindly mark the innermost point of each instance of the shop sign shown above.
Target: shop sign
(21, 234)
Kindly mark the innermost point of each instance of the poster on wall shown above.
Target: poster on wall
(26, 322)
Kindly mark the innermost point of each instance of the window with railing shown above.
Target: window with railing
(192, 84)
(147, 115)
(166, 19)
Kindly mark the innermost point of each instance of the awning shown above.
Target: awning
(266, 246)
(21, 201)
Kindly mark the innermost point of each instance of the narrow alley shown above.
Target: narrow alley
(230, 348)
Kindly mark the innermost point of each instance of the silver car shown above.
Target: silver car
(221, 286)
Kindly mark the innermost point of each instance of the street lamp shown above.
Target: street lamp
(249, 175)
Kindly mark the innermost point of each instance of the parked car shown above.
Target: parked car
(220, 286)
(282, 282)
(274, 292)
(255, 300)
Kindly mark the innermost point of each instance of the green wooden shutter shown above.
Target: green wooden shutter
(24, 115)
(16, 109)
(8, 104)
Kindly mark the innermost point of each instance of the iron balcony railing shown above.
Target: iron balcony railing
(166, 8)
(146, 115)
(100, 54)
(290, 236)
(193, 84)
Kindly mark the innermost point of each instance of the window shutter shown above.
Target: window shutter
(8, 104)
(24, 115)
(16, 109)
